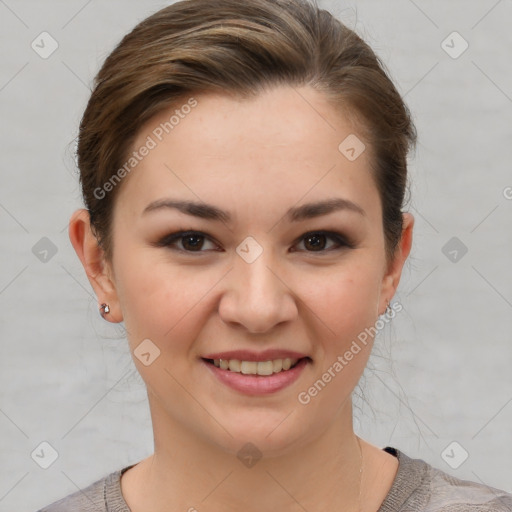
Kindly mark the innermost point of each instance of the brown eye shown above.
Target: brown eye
(191, 241)
(194, 242)
(317, 241)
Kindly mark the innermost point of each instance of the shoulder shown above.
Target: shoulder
(450, 494)
(84, 500)
(421, 487)
(99, 496)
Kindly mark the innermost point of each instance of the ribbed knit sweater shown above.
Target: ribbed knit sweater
(417, 487)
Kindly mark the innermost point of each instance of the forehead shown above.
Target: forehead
(278, 147)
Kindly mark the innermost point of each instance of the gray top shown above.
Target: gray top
(417, 487)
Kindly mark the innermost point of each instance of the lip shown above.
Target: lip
(258, 384)
(248, 355)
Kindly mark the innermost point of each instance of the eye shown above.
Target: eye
(191, 241)
(317, 241)
(194, 241)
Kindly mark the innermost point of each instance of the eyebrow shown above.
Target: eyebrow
(294, 214)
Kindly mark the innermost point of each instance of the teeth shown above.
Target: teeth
(235, 365)
(255, 367)
(248, 367)
(264, 367)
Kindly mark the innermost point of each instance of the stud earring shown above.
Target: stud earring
(104, 309)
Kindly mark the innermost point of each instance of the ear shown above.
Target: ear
(98, 270)
(394, 270)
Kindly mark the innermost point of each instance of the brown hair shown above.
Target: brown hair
(240, 48)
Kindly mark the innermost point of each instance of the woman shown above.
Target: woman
(243, 166)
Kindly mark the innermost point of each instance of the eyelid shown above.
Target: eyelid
(171, 238)
(340, 239)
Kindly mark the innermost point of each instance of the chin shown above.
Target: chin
(268, 436)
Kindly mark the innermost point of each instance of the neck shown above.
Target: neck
(191, 473)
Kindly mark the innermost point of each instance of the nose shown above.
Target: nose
(257, 295)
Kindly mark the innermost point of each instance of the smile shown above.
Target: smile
(257, 377)
(255, 367)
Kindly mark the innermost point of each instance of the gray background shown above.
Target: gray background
(441, 373)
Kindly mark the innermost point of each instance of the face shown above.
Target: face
(264, 274)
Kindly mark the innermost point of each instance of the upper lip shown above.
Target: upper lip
(248, 355)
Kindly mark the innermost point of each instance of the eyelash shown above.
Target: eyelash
(169, 240)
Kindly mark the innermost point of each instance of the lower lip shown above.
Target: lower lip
(258, 384)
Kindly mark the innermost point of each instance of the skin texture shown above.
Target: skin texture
(254, 158)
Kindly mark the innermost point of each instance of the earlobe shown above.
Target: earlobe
(93, 260)
(392, 277)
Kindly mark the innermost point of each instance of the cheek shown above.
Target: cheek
(160, 301)
(345, 303)
(344, 307)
